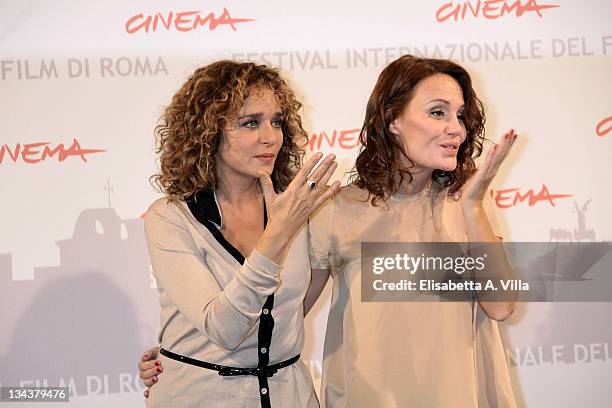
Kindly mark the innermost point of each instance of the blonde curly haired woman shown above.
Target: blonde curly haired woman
(228, 250)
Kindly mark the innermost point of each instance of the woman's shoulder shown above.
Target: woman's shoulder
(165, 209)
(338, 204)
(350, 194)
(161, 206)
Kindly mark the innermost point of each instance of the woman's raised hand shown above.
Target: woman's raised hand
(476, 187)
(307, 191)
(289, 210)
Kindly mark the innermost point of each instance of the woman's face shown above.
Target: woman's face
(252, 143)
(431, 127)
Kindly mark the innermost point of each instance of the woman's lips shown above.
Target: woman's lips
(266, 157)
(450, 148)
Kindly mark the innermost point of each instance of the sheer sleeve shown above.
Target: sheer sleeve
(493, 215)
(320, 237)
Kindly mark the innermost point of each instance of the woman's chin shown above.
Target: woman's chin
(255, 171)
(448, 165)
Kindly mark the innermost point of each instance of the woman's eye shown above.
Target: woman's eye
(437, 114)
(251, 124)
(277, 123)
(461, 117)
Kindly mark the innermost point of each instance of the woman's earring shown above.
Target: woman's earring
(441, 177)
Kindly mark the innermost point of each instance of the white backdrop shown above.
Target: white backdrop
(81, 87)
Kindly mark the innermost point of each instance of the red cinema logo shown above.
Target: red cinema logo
(489, 9)
(604, 127)
(182, 21)
(512, 196)
(33, 153)
(344, 139)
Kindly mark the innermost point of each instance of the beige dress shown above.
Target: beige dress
(408, 355)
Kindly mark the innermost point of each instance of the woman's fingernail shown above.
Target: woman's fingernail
(154, 379)
(159, 370)
(157, 363)
(319, 155)
(332, 156)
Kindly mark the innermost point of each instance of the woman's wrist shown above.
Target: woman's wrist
(273, 243)
(276, 230)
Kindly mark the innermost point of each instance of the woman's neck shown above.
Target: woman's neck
(239, 190)
(421, 179)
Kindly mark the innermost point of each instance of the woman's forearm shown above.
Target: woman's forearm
(480, 231)
(319, 278)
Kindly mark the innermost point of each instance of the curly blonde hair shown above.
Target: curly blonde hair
(190, 129)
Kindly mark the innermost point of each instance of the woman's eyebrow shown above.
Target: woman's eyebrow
(251, 115)
(444, 101)
(258, 115)
(439, 100)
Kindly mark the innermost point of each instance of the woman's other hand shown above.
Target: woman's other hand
(149, 368)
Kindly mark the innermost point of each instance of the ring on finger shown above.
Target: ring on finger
(311, 184)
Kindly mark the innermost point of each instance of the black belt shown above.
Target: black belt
(267, 371)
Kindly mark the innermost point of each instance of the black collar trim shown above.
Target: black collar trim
(205, 208)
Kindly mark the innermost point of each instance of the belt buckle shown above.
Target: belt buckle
(256, 372)
(224, 371)
(269, 372)
(229, 371)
